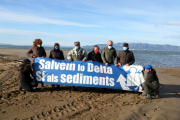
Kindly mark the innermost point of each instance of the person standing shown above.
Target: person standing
(77, 54)
(56, 54)
(36, 51)
(109, 54)
(94, 55)
(125, 57)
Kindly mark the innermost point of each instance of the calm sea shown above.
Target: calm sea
(142, 57)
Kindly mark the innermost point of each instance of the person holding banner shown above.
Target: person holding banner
(26, 81)
(36, 51)
(77, 54)
(125, 57)
(94, 55)
(151, 85)
(56, 54)
(109, 54)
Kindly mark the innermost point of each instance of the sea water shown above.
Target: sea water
(142, 57)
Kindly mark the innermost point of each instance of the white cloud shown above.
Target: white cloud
(173, 36)
(172, 23)
(21, 37)
(13, 17)
(67, 39)
(51, 38)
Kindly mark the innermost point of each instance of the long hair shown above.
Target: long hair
(36, 42)
(24, 66)
(25, 69)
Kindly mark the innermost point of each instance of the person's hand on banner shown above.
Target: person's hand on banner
(33, 56)
(127, 64)
(70, 60)
(84, 60)
(116, 64)
(106, 64)
(119, 64)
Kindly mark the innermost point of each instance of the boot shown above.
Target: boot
(53, 86)
(81, 89)
(73, 88)
(156, 94)
(42, 86)
(144, 94)
(20, 88)
(147, 97)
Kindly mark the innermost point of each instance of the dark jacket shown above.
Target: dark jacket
(37, 52)
(126, 57)
(109, 55)
(94, 57)
(56, 54)
(152, 77)
(25, 76)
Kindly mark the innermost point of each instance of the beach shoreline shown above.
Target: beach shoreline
(87, 104)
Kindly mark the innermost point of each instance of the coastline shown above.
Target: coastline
(88, 104)
(20, 53)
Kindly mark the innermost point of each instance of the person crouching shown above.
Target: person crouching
(26, 81)
(151, 85)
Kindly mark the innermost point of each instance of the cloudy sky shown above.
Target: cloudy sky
(90, 21)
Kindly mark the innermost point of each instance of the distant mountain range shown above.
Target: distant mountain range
(119, 46)
(141, 46)
(4, 44)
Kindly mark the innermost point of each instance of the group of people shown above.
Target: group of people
(107, 56)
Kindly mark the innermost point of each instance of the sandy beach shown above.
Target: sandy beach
(88, 104)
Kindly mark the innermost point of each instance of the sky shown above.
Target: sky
(90, 21)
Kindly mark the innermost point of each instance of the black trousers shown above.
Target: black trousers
(42, 84)
(150, 87)
(28, 86)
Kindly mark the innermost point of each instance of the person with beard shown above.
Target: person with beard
(26, 81)
(56, 54)
(94, 55)
(125, 57)
(36, 51)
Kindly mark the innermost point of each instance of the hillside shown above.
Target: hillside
(142, 46)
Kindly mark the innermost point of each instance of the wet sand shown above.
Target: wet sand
(63, 103)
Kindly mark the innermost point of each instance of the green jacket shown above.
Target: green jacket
(77, 54)
(109, 55)
(152, 77)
